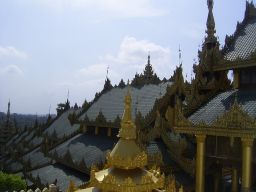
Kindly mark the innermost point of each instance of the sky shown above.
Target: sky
(48, 47)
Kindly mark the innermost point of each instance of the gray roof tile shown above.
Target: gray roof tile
(244, 44)
(91, 148)
(37, 158)
(221, 103)
(14, 167)
(111, 103)
(63, 174)
(62, 125)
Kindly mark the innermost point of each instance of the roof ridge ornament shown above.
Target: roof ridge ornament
(210, 22)
(149, 58)
(236, 118)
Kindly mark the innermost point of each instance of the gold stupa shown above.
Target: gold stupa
(126, 163)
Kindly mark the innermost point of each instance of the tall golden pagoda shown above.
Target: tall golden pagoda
(126, 163)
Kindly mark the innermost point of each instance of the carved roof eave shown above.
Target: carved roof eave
(233, 123)
(216, 131)
(236, 64)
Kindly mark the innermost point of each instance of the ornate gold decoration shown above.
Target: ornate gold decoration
(113, 183)
(172, 186)
(71, 187)
(233, 123)
(140, 160)
(247, 142)
(126, 156)
(200, 138)
(128, 129)
(235, 118)
(109, 179)
(180, 120)
(134, 157)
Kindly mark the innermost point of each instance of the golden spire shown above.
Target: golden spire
(127, 154)
(125, 170)
(128, 129)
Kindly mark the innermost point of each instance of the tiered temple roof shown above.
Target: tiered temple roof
(222, 103)
(242, 44)
(111, 103)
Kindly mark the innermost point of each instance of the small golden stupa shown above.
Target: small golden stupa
(126, 163)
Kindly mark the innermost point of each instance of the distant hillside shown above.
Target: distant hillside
(22, 120)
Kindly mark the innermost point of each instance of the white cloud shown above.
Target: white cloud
(93, 71)
(11, 70)
(11, 51)
(117, 8)
(132, 57)
(193, 31)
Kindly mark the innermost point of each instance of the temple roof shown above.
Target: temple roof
(14, 167)
(90, 148)
(36, 141)
(49, 173)
(221, 103)
(111, 103)
(243, 43)
(62, 126)
(13, 139)
(20, 137)
(36, 158)
(156, 147)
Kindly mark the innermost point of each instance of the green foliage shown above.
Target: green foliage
(10, 182)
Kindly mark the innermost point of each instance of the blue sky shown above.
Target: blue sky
(48, 47)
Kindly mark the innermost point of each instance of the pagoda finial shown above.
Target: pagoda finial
(149, 58)
(179, 56)
(126, 153)
(210, 21)
(50, 109)
(128, 129)
(107, 72)
(9, 111)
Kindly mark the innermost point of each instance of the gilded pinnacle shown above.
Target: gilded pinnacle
(128, 129)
